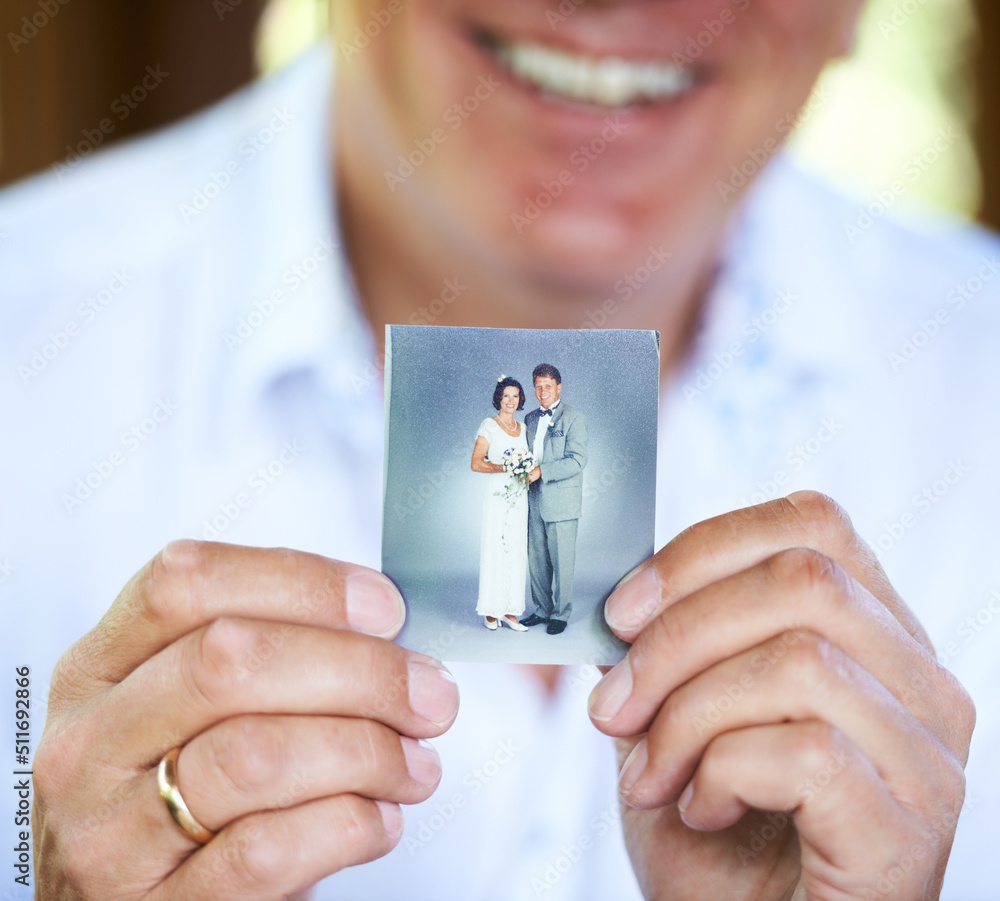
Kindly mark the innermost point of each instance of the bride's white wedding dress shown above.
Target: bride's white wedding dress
(503, 554)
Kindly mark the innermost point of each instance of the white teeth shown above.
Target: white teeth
(608, 82)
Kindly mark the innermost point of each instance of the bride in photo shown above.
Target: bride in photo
(501, 452)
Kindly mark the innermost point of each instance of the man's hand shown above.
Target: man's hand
(535, 474)
(299, 722)
(799, 738)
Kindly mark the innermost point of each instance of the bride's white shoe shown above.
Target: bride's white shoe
(511, 621)
(492, 626)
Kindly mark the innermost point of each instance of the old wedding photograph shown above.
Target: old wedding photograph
(515, 459)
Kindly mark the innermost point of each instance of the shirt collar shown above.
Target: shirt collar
(780, 346)
(780, 291)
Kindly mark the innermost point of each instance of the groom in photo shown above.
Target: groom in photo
(557, 436)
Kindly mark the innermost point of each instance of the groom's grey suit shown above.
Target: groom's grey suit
(554, 505)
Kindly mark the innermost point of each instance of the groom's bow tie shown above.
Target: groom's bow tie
(546, 412)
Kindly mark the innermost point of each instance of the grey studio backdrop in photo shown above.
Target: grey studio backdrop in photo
(439, 386)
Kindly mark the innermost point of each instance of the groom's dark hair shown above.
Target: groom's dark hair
(507, 383)
(546, 371)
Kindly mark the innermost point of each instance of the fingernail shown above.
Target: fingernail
(684, 800)
(635, 766)
(611, 693)
(392, 818)
(374, 605)
(422, 760)
(633, 603)
(433, 692)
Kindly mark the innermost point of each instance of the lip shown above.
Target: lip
(636, 43)
(561, 112)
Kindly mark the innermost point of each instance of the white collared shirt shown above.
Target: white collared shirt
(201, 368)
(544, 423)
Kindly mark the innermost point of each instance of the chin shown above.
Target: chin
(590, 242)
(581, 253)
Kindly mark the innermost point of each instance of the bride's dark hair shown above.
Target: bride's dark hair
(507, 383)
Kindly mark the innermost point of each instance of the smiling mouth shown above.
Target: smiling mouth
(607, 81)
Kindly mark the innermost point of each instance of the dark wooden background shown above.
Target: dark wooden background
(91, 51)
(988, 106)
(65, 78)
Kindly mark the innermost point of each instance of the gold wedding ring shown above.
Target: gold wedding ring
(166, 779)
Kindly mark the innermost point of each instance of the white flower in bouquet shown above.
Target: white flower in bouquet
(517, 463)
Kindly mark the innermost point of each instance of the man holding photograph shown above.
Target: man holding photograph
(557, 435)
(785, 725)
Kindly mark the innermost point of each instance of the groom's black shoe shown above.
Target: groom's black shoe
(555, 626)
(533, 620)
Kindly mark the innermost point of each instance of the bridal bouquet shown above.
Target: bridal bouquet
(518, 463)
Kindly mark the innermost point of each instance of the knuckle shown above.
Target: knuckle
(942, 793)
(172, 575)
(814, 743)
(721, 753)
(247, 753)
(65, 672)
(183, 556)
(810, 660)
(962, 709)
(219, 655)
(261, 852)
(57, 761)
(804, 570)
(676, 716)
(953, 778)
(824, 518)
(74, 674)
(51, 759)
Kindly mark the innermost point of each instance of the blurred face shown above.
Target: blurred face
(566, 138)
(510, 401)
(547, 391)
